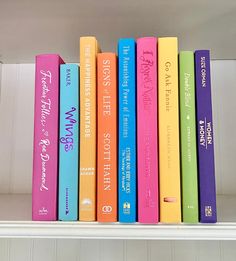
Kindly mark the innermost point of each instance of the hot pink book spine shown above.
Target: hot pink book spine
(147, 130)
(45, 153)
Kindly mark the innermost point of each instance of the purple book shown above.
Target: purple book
(206, 166)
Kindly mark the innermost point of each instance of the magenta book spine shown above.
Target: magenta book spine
(147, 130)
(46, 126)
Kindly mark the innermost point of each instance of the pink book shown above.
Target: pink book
(45, 158)
(147, 130)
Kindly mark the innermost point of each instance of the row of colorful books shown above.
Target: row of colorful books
(127, 139)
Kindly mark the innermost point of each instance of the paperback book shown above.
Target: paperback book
(147, 151)
(69, 142)
(46, 126)
(88, 79)
(189, 172)
(205, 141)
(169, 158)
(127, 130)
(107, 137)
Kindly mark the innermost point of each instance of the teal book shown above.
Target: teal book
(69, 142)
(189, 172)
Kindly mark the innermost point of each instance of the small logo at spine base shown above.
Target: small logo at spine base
(126, 208)
(106, 209)
(208, 211)
(87, 202)
(43, 211)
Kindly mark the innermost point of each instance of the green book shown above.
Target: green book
(189, 172)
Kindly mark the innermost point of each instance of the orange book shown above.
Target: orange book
(87, 183)
(106, 138)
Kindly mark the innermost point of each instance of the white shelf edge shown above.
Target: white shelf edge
(94, 230)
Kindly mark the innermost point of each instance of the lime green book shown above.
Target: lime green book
(189, 172)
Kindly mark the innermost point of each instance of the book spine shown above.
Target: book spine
(127, 130)
(206, 166)
(188, 139)
(46, 124)
(169, 159)
(87, 184)
(107, 137)
(147, 165)
(69, 142)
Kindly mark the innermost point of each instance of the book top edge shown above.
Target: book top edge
(186, 52)
(69, 65)
(48, 55)
(147, 38)
(168, 38)
(88, 37)
(202, 51)
(106, 53)
(126, 40)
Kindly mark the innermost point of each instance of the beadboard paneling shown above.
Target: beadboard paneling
(20, 249)
(68, 250)
(16, 128)
(224, 92)
(44, 249)
(22, 155)
(111, 250)
(80, 250)
(7, 115)
(89, 250)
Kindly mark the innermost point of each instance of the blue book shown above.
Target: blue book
(69, 142)
(127, 130)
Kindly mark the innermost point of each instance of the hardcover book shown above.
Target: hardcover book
(127, 130)
(206, 165)
(107, 137)
(69, 142)
(87, 184)
(46, 125)
(169, 158)
(189, 172)
(147, 161)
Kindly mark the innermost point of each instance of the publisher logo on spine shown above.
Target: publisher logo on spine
(126, 208)
(106, 209)
(43, 211)
(208, 211)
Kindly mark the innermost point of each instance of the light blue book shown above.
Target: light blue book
(69, 142)
(127, 130)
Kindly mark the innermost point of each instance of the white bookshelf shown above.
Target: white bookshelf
(16, 222)
(28, 28)
(22, 239)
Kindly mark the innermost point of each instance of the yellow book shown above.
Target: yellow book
(169, 155)
(87, 183)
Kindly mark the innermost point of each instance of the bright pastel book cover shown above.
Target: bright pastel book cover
(169, 154)
(46, 126)
(127, 130)
(88, 83)
(107, 137)
(69, 142)
(205, 138)
(189, 172)
(147, 150)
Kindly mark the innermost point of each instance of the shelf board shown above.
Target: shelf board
(15, 221)
(94, 230)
